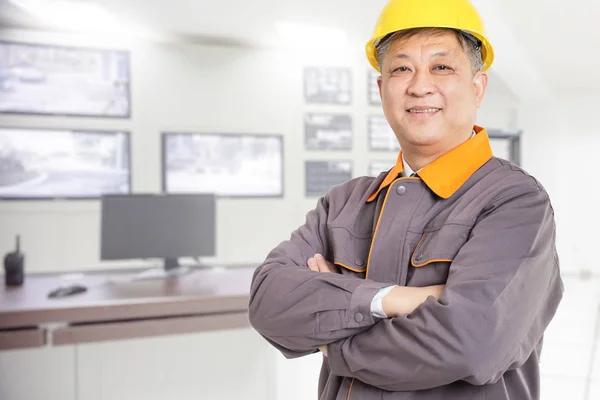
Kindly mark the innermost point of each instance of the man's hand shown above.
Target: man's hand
(318, 264)
(323, 350)
(404, 300)
(400, 301)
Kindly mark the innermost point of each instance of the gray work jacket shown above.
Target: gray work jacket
(476, 223)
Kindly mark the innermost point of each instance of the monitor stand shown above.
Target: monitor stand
(171, 268)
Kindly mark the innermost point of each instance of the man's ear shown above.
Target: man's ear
(379, 82)
(480, 81)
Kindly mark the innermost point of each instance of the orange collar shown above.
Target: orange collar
(448, 173)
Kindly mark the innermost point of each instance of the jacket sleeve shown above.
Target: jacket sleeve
(297, 309)
(502, 291)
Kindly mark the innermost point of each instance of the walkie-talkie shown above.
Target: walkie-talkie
(14, 263)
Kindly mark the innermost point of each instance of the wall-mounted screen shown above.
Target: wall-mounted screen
(381, 135)
(378, 166)
(57, 80)
(228, 165)
(328, 85)
(322, 175)
(327, 131)
(373, 88)
(53, 163)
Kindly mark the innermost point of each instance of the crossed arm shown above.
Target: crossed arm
(502, 292)
(401, 300)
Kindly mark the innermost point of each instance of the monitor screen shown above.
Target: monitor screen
(229, 165)
(53, 163)
(158, 226)
(57, 80)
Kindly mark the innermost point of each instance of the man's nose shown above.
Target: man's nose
(421, 84)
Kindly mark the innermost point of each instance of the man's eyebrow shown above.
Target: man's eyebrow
(443, 53)
(440, 54)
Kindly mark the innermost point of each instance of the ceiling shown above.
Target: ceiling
(248, 22)
(254, 20)
(542, 46)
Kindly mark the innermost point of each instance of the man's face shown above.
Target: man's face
(429, 93)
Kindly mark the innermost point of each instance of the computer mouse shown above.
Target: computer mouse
(65, 291)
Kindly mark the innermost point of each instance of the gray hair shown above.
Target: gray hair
(470, 44)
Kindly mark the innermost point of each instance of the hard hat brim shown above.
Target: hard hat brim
(487, 51)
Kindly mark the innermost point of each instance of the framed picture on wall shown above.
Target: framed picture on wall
(69, 81)
(63, 164)
(328, 85)
(327, 132)
(228, 165)
(378, 166)
(381, 136)
(506, 144)
(322, 175)
(373, 88)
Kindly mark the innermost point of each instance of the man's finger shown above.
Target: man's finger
(322, 263)
(312, 264)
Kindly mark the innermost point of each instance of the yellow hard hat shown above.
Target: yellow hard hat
(399, 15)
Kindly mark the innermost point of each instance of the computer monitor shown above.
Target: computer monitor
(167, 226)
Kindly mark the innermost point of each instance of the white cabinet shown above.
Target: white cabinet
(216, 365)
(223, 365)
(38, 374)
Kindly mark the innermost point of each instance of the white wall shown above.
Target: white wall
(181, 88)
(193, 88)
(200, 88)
(560, 144)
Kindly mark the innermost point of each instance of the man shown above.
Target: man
(437, 279)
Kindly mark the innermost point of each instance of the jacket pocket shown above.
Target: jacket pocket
(430, 261)
(349, 252)
(441, 245)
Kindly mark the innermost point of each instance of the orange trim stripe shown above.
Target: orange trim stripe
(448, 173)
(428, 262)
(371, 250)
(412, 260)
(377, 225)
(347, 267)
(350, 389)
(389, 180)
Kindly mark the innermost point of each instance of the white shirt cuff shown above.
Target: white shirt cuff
(377, 302)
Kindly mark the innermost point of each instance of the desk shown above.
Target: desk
(116, 306)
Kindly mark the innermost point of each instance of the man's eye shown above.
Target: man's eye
(401, 69)
(443, 68)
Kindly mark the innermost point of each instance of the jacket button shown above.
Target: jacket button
(401, 190)
(358, 317)
(359, 263)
